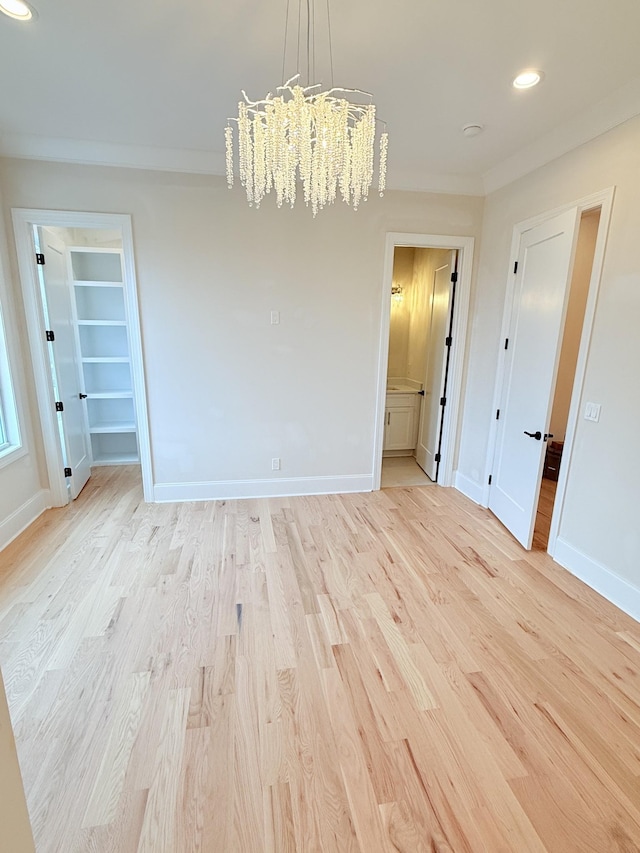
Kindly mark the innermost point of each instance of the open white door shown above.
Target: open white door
(545, 258)
(428, 446)
(64, 361)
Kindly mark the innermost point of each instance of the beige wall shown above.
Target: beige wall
(400, 316)
(574, 322)
(599, 522)
(15, 830)
(227, 391)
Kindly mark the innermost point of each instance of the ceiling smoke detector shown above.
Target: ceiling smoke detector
(472, 129)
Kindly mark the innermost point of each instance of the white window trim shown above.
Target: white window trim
(9, 402)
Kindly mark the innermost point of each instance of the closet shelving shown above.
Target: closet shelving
(103, 344)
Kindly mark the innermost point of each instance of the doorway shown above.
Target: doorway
(78, 281)
(557, 259)
(423, 330)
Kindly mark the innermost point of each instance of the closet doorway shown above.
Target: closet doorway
(556, 265)
(424, 316)
(79, 289)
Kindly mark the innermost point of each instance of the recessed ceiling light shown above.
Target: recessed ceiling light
(17, 9)
(527, 79)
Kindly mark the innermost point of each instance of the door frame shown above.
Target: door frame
(23, 221)
(604, 200)
(450, 427)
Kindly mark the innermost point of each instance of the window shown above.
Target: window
(10, 441)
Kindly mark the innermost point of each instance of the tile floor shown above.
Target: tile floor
(403, 471)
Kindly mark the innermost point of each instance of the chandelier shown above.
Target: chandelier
(319, 139)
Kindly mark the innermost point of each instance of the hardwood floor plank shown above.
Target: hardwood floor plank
(361, 672)
(159, 829)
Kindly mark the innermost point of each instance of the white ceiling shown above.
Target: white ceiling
(152, 83)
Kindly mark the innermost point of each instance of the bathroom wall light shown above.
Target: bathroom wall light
(18, 9)
(528, 79)
(397, 294)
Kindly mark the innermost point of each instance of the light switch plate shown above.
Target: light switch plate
(592, 412)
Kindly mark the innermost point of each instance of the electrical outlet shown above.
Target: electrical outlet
(275, 463)
(592, 412)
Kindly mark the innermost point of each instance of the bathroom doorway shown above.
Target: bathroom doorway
(422, 349)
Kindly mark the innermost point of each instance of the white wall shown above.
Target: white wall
(599, 528)
(15, 830)
(227, 391)
(22, 498)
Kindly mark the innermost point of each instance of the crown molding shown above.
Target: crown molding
(85, 152)
(617, 108)
(614, 110)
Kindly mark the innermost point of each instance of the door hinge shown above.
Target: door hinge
(515, 268)
(50, 335)
(437, 457)
(498, 415)
(448, 341)
(454, 277)
(59, 407)
(489, 479)
(67, 472)
(443, 401)
(40, 259)
(506, 343)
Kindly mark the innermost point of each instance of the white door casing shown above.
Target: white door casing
(65, 358)
(23, 222)
(434, 382)
(451, 425)
(545, 260)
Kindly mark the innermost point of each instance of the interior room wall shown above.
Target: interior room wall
(227, 390)
(22, 496)
(400, 316)
(15, 829)
(578, 293)
(599, 537)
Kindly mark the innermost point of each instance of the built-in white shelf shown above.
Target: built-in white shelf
(78, 283)
(110, 427)
(101, 320)
(109, 395)
(107, 359)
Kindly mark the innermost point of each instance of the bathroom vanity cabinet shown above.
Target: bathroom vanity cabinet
(401, 422)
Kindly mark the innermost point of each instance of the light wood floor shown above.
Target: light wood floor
(543, 515)
(375, 672)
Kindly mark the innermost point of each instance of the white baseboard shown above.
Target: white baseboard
(614, 588)
(22, 517)
(473, 491)
(218, 490)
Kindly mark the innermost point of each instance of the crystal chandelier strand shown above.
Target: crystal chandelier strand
(324, 141)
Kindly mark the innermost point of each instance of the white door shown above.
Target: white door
(545, 258)
(64, 362)
(434, 384)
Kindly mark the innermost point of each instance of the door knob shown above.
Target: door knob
(537, 435)
(82, 396)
